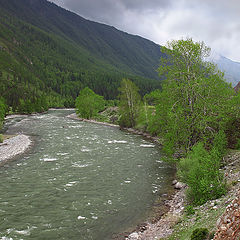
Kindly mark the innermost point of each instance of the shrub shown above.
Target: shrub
(200, 170)
(219, 145)
(189, 210)
(1, 138)
(88, 103)
(237, 146)
(211, 235)
(200, 234)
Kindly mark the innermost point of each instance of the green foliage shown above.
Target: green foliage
(1, 138)
(237, 146)
(200, 170)
(189, 210)
(3, 110)
(219, 145)
(88, 103)
(153, 98)
(145, 113)
(129, 105)
(233, 131)
(211, 235)
(200, 234)
(195, 102)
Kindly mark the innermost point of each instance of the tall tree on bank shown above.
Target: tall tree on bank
(88, 103)
(130, 101)
(195, 102)
(3, 110)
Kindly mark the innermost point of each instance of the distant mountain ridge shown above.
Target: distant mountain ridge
(49, 53)
(127, 52)
(229, 67)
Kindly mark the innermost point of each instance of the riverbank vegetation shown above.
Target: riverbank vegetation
(3, 110)
(195, 114)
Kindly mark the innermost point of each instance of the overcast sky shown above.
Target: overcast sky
(216, 22)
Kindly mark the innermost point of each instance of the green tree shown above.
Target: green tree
(200, 170)
(195, 102)
(88, 103)
(3, 110)
(129, 104)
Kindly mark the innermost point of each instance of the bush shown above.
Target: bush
(237, 146)
(200, 234)
(219, 145)
(189, 210)
(1, 138)
(200, 170)
(211, 235)
(3, 110)
(88, 103)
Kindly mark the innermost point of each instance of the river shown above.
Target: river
(79, 181)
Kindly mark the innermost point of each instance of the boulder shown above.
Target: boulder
(133, 236)
(179, 185)
(174, 182)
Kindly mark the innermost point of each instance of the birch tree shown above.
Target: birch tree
(195, 102)
(129, 103)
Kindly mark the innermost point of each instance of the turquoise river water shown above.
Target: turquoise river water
(79, 180)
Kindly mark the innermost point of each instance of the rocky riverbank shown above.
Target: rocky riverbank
(130, 130)
(75, 117)
(13, 146)
(221, 216)
(163, 227)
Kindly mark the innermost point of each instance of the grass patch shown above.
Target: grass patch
(5, 137)
(201, 219)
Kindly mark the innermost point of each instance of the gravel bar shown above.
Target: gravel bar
(14, 146)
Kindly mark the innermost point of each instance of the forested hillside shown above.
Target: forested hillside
(47, 54)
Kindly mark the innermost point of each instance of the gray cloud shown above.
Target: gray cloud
(111, 11)
(216, 22)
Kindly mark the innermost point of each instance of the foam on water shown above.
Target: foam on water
(147, 145)
(80, 165)
(48, 159)
(117, 141)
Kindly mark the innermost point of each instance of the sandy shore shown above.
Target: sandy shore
(13, 146)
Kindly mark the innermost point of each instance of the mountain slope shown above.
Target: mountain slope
(229, 67)
(49, 53)
(126, 52)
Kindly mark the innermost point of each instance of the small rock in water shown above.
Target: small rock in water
(133, 236)
(179, 185)
(174, 182)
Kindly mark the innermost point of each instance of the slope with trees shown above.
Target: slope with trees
(195, 114)
(49, 53)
